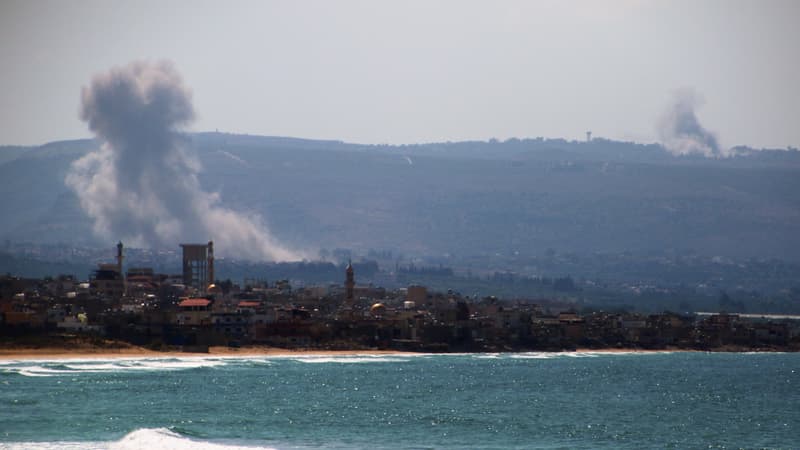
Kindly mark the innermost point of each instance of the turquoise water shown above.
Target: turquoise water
(523, 400)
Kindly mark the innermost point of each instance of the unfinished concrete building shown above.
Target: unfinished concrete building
(198, 265)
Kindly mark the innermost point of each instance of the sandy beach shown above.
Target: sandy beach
(132, 352)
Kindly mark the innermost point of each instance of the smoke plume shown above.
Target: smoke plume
(681, 132)
(141, 185)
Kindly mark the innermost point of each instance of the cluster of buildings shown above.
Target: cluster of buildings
(192, 311)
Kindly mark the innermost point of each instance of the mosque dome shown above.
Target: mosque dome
(378, 309)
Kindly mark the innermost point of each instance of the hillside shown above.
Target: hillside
(468, 199)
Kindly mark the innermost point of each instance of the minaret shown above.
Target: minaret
(350, 282)
(119, 267)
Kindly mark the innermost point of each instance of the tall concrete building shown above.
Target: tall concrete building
(198, 265)
(119, 256)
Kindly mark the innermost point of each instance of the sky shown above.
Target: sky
(404, 72)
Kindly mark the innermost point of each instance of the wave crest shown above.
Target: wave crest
(143, 438)
(166, 438)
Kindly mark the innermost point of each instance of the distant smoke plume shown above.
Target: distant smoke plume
(681, 132)
(141, 186)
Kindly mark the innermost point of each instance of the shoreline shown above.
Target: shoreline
(79, 348)
(55, 353)
(140, 352)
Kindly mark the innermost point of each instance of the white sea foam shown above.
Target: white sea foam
(147, 365)
(37, 372)
(145, 438)
(578, 354)
(487, 356)
(349, 359)
(581, 354)
(163, 438)
(534, 355)
(74, 367)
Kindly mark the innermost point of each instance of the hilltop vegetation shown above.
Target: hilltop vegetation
(463, 200)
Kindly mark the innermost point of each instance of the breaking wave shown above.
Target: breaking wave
(71, 367)
(350, 359)
(153, 438)
(42, 368)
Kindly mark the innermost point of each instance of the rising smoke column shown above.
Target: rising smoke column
(141, 186)
(681, 132)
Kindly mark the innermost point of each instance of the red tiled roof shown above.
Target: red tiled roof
(246, 304)
(194, 302)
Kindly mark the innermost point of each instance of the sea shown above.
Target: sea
(565, 400)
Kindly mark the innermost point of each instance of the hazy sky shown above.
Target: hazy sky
(408, 71)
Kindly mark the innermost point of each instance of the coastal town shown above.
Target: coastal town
(193, 311)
